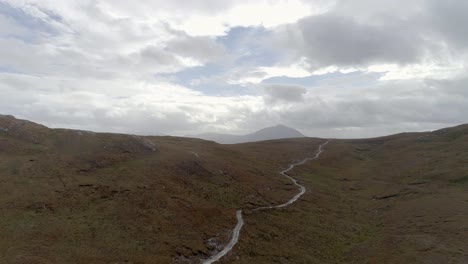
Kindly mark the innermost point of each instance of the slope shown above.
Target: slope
(396, 199)
(82, 197)
(71, 196)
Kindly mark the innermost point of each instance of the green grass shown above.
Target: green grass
(461, 180)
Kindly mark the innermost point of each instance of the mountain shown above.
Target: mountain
(269, 133)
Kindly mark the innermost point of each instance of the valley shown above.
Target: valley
(71, 196)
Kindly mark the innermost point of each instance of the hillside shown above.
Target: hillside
(82, 197)
(72, 196)
(269, 133)
(396, 199)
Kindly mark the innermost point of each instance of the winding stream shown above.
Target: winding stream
(240, 220)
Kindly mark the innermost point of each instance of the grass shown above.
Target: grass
(69, 197)
(461, 180)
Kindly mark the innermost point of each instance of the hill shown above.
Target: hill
(73, 196)
(269, 133)
(69, 196)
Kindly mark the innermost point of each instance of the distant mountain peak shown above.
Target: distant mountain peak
(274, 132)
(279, 126)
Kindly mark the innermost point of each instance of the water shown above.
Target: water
(240, 220)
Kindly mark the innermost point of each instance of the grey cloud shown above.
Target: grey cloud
(449, 18)
(144, 122)
(365, 32)
(283, 93)
(8, 27)
(376, 12)
(50, 60)
(98, 71)
(387, 108)
(153, 55)
(204, 49)
(136, 121)
(93, 111)
(333, 108)
(91, 43)
(336, 40)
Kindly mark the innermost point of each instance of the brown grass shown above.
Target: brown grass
(80, 197)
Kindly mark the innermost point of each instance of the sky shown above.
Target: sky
(344, 68)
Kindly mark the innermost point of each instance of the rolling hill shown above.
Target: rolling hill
(69, 196)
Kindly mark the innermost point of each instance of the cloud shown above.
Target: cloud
(259, 74)
(155, 57)
(446, 17)
(284, 93)
(362, 33)
(388, 107)
(121, 105)
(330, 68)
(266, 13)
(203, 49)
(329, 40)
(8, 27)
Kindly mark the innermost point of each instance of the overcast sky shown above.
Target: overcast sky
(345, 68)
